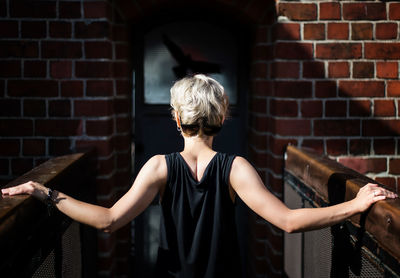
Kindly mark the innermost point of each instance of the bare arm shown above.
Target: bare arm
(248, 185)
(148, 183)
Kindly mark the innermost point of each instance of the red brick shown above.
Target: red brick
(99, 88)
(10, 68)
(97, 9)
(95, 49)
(363, 69)
(293, 89)
(260, 123)
(363, 11)
(261, 88)
(18, 49)
(259, 70)
(60, 108)
(337, 128)
(58, 127)
(123, 124)
(61, 49)
(393, 88)
(34, 108)
(121, 106)
(9, 29)
(59, 147)
(120, 33)
(33, 29)
(360, 108)
(338, 69)
(294, 51)
(338, 31)
(298, 11)
(283, 108)
(122, 51)
(387, 69)
(20, 166)
(61, 69)
(313, 69)
(336, 147)
(123, 161)
(387, 51)
(123, 142)
(9, 147)
(394, 11)
(35, 68)
(278, 145)
(311, 108)
(72, 88)
(360, 146)
(262, 52)
(257, 141)
(335, 108)
(32, 88)
(329, 10)
(324, 89)
(338, 50)
(315, 144)
(103, 147)
(389, 182)
(121, 69)
(70, 9)
(384, 146)
(94, 29)
(381, 128)
(365, 165)
(384, 108)
(10, 107)
(361, 88)
(285, 69)
(386, 31)
(16, 127)
(394, 166)
(106, 166)
(314, 31)
(100, 127)
(361, 31)
(60, 29)
(34, 9)
(34, 147)
(93, 69)
(286, 31)
(291, 127)
(258, 105)
(93, 108)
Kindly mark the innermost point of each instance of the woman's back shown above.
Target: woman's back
(198, 233)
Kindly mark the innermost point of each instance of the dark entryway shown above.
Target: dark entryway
(166, 51)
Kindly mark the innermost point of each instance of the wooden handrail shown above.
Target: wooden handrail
(334, 183)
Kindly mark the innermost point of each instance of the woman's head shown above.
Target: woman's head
(200, 103)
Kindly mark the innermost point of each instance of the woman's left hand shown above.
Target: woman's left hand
(371, 193)
(35, 189)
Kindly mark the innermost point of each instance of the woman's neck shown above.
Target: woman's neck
(195, 145)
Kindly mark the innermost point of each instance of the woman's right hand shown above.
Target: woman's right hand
(35, 189)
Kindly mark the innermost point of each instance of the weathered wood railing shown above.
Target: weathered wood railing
(34, 243)
(366, 245)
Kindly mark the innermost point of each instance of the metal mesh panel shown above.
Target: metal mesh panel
(368, 269)
(70, 256)
(317, 252)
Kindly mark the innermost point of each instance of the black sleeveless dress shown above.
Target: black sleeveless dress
(197, 231)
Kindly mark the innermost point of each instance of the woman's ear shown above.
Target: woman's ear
(177, 119)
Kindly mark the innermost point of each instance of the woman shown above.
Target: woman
(197, 189)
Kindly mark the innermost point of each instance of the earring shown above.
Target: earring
(178, 129)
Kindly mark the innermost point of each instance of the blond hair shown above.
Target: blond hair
(201, 104)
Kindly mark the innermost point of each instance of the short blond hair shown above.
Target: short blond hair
(199, 101)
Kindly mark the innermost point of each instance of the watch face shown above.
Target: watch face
(176, 50)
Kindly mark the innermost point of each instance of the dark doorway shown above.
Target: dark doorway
(159, 48)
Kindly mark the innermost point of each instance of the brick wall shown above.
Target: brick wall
(324, 74)
(65, 84)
